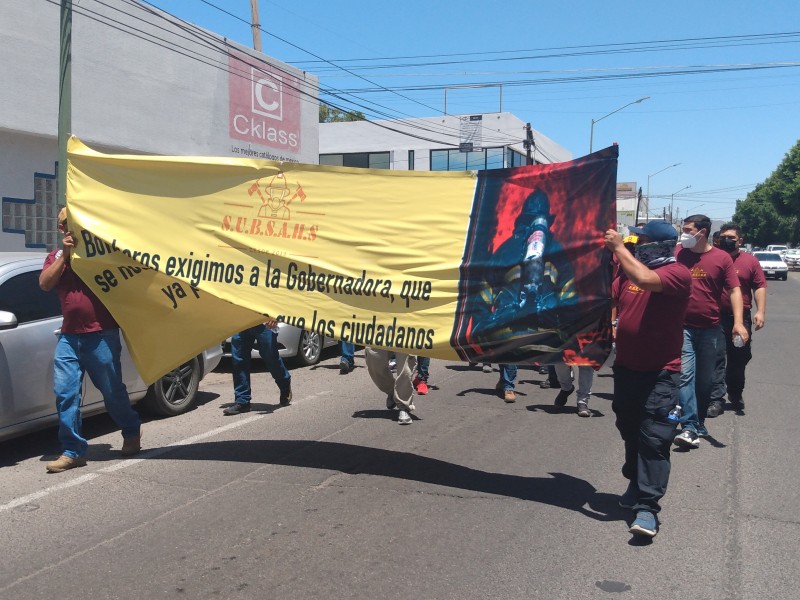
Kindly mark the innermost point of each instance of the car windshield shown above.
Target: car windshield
(767, 256)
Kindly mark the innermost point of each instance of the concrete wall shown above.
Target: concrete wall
(190, 93)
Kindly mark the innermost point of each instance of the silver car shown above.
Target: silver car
(29, 320)
(303, 348)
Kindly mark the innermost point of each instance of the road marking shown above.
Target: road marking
(126, 463)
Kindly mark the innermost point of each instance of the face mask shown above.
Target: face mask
(727, 244)
(654, 254)
(688, 240)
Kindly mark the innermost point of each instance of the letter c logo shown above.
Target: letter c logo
(259, 94)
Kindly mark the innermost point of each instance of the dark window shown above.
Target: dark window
(364, 160)
(455, 160)
(22, 296)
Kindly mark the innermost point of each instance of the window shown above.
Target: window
(455, 160)
(22, 296)
(364, 160)
(410, 160)
(515, 159)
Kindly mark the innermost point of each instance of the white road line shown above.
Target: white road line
(127, 463)
(45, 492)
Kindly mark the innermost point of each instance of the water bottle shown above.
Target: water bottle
(738, 341)
(675, 413)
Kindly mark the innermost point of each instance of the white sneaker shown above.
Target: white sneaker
(687, 439)
(403, 418)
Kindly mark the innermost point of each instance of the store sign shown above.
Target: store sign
(264, 103)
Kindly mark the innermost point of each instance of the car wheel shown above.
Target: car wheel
(174, 393)
(785, 276)
(309, 349)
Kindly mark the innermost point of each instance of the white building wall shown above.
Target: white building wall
(131, 95)
(432, 133)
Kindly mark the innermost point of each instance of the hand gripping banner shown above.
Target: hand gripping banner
(505, 265)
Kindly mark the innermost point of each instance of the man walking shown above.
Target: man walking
(89, 342)
(651, 295)
(242, 344)
(754, 286)
(703, 341)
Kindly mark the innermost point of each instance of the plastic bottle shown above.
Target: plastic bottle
(675, 413)
(738, 341)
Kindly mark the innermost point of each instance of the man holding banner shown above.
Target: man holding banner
(87, 342)
(651, 294)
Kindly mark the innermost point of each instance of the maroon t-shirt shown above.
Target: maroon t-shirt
(751, 278)
(83, 311)
(712, 272)
(650, 324)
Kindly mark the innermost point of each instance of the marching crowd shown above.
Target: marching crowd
(684, 309)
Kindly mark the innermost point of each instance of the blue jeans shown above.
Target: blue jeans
(242, 347)
(98, 354)
(423, 364)
(703, 351)
(508, 376)
(348, 352)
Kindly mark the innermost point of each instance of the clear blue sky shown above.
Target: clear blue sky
(728, 130)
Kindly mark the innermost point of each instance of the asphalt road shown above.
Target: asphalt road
(330, 498)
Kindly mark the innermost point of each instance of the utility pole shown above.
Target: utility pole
(64, 98)
(256, 25)
(529, 144)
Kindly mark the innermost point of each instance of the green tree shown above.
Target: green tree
(330, 114)
(760, 222)
(771, 212)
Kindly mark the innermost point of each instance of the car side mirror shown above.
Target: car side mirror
(8, 320)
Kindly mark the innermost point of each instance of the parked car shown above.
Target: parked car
(779, 248)
(29, 321)
(772, 264)
(303, 348)
(792, 258)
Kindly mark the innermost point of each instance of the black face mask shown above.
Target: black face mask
(727, 244)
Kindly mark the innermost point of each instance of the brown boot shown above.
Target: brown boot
(131, 445)
(65, 463)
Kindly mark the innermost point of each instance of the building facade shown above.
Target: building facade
(142, 82)
(445, 143)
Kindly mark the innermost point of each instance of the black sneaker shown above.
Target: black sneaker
(549, 385)
(738, 403)
(561, 399)
(345, 367)
(286, 397)
(715, 409)
(237, 409)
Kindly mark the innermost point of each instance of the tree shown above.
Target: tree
(760, 222)
(330, 114)
(771, 212)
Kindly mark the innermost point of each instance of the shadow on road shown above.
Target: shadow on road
(562, 490)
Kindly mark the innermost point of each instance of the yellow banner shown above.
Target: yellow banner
(185, 251)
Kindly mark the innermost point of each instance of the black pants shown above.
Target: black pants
(737, 358)
(642, 401)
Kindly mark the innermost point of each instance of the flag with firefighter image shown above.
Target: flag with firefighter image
(186, 251)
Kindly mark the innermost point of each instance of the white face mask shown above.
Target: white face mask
(688, 240)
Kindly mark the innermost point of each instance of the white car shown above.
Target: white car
(772, 264)
(29, 321)
(792, 258)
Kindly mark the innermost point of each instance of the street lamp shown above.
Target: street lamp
(648, 186)
(672, 201)
(688, 212)
(591, 133)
